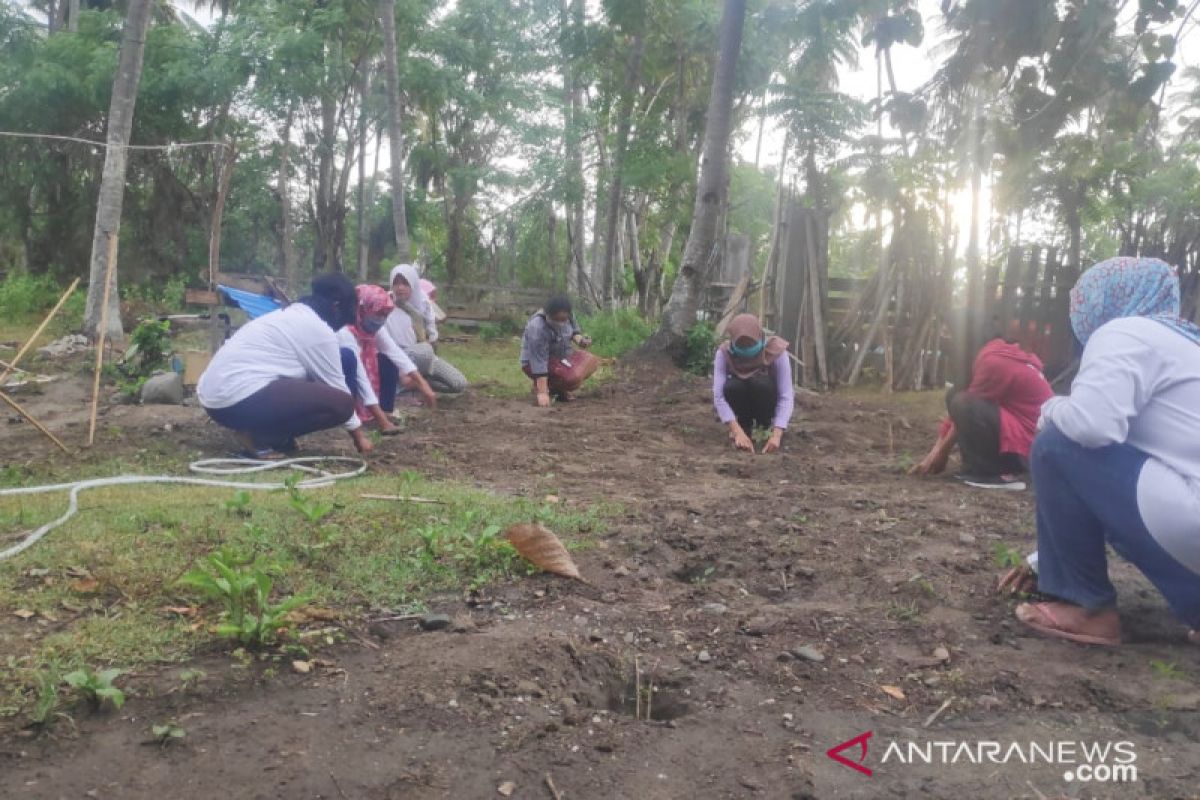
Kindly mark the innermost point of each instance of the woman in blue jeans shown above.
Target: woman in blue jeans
(1118, 461)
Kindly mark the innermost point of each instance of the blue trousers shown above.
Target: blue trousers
(350, 370)
(1085, 498)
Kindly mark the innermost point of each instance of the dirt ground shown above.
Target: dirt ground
(717, 569)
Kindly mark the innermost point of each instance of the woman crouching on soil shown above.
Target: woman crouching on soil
(281, 376)
(366, 348)
(1118, 461)
(993, 421)
(547, 356)
(752, 384)
(413, 326)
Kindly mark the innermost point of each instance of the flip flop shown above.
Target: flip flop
(1051, 626)
(390, 431)
(265, 454)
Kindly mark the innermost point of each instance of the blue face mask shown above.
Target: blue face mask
(748, 352)
(371, 325)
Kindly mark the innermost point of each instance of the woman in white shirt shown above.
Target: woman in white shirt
(366, 348)
(1118, 461)
(413, 326)
(280, 376)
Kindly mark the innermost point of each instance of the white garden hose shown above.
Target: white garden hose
(211, 466)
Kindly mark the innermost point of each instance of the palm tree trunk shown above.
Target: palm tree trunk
(112, 182)
(711, 188)
(387, 15)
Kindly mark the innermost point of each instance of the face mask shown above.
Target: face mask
(370, 325)
(748, 352)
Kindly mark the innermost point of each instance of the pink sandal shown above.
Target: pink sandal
(1042, 617)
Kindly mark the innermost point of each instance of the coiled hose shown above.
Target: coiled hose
(212, 466)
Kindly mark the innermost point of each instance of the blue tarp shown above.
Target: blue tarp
(255, 305)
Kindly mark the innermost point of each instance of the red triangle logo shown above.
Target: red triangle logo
(860, 741)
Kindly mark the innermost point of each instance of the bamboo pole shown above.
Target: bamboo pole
(103, 333)
(33, 421)
(12, 365)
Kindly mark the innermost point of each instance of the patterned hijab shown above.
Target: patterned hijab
(749, 350)
(373, 302)
(1128, 287)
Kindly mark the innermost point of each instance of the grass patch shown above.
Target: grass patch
(615, 333)
(494, 368)
(104, 589)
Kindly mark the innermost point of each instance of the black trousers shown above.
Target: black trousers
(978, 424)
(752, 399)
(289, 407)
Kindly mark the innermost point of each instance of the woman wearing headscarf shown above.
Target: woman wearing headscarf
(366, 348)
(1118, 461)
(280, 376)
(413, 326)
(547, 355)
(752, 383)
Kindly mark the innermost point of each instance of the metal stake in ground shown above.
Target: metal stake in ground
(102, 334)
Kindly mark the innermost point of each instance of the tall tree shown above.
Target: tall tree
(112, 183)
(699, 252)
(387, 16)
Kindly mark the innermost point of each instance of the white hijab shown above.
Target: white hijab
(401, 329)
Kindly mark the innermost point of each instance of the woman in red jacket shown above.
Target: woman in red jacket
(993, 421)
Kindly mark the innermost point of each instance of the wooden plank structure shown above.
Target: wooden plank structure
(1031, 305)
(798, 287)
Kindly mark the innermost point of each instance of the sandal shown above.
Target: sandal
(1044, 618)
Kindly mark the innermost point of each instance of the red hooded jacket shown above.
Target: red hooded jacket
(1012, 379)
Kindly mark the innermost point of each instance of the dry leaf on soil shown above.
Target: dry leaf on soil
(541, 547)
(892, 691)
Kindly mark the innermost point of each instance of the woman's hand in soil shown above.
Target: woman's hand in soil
(772, 445)
(740, 440)
(543, 399)
(361, 443)
(932, 464)
(1018, 580)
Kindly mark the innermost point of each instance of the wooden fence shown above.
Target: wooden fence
(1029, 300)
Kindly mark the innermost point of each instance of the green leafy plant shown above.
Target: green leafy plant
(148, 352)
(615, 333)
(243, 586)
(1006, 557)
(700, 345)
(240, 504)
(46, 703)
(309, 506)
(1167, 670)
(96, 687)
(166, 733)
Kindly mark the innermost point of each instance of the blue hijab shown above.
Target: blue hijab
(1128, 287)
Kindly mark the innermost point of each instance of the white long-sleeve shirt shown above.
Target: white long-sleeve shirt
(387, 348)
(1139, 383)
(291, 343)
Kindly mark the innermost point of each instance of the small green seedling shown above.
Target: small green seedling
(96, 687)
(312, 509)
(1167, 670)
(167, 733)
(1007, 557)
(243, 586)
(190, 678)
(240, 504)
(45, 707)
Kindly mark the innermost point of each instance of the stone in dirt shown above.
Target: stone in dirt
(435, 622)
(715, 608)
(73, 343)
(165, 389)
(808, 653)
(704, 657)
